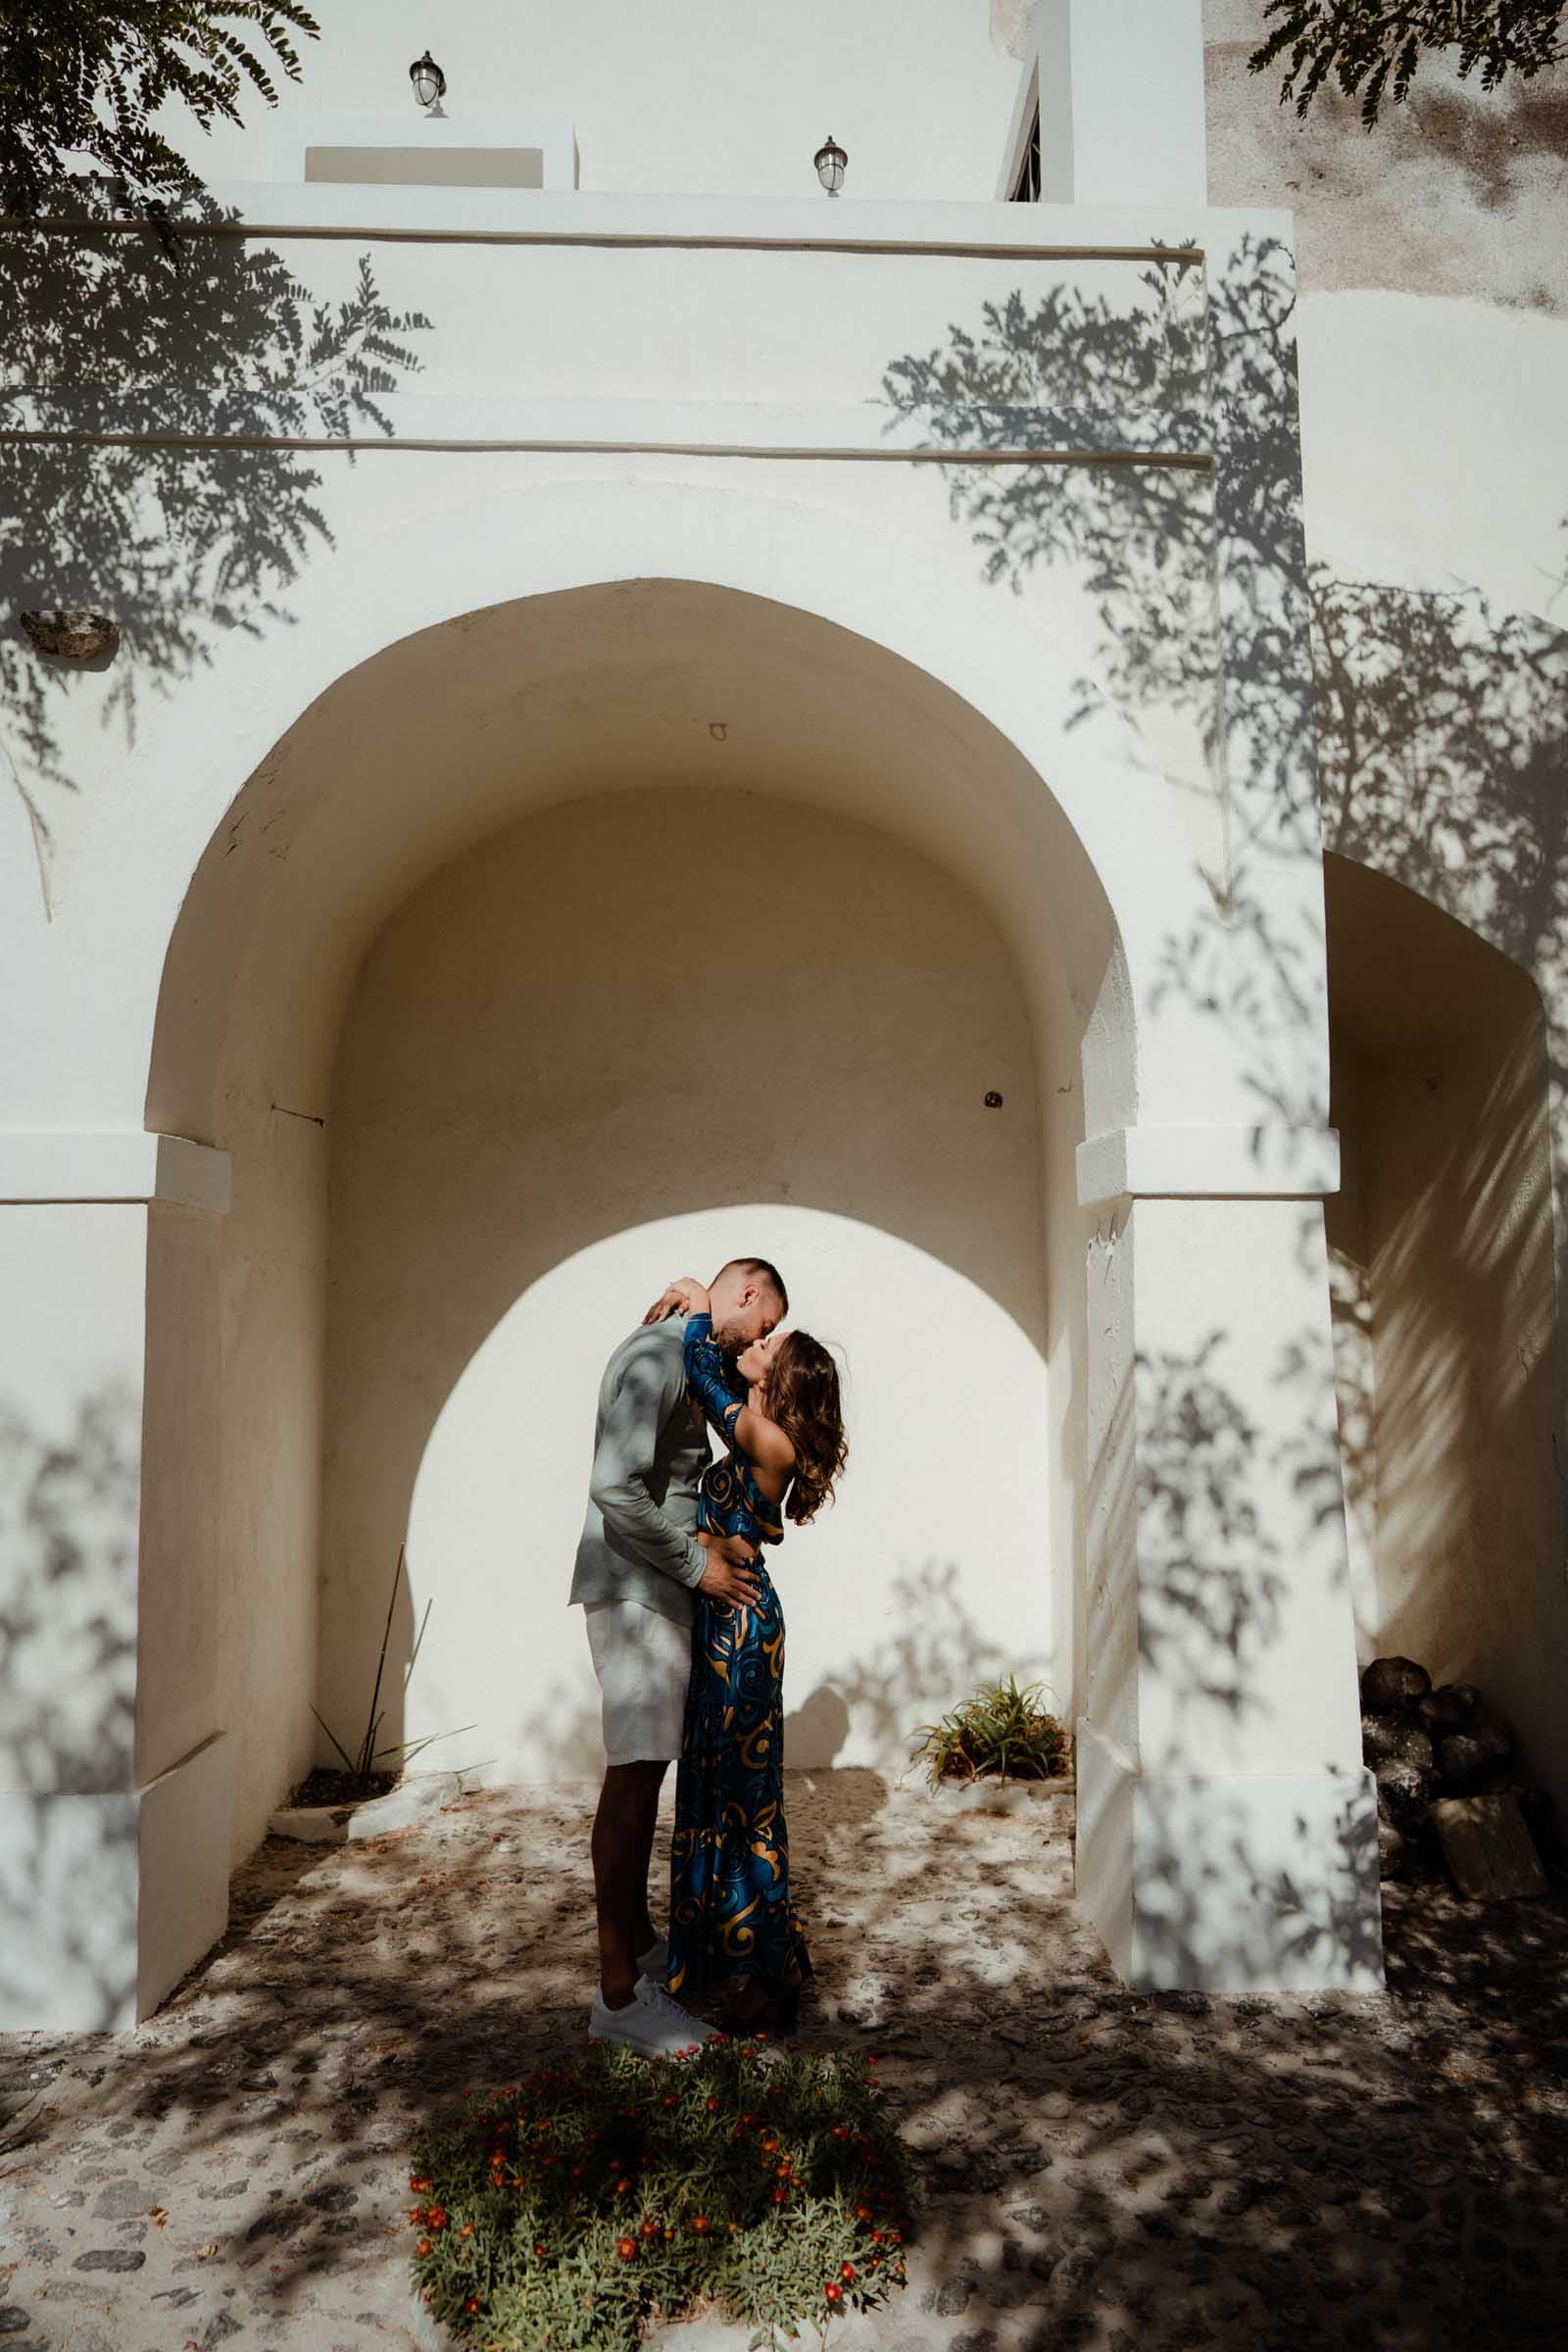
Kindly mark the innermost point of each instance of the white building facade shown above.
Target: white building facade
(581, 588)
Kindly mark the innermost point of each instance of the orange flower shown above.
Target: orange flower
(862, 2213)
(472, 2304)
(650, 2227)
(833, 2291)
(701, 2225)
(847, 2272)
(626, 2248)
(423, 2246)
(539, 2252)
(437, 2217)
(712, 2105)
(467, 2230)
(780, 2195)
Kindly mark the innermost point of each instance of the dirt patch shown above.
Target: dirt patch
(1103, 2168)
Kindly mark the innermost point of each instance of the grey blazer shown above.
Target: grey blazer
(649, 1454)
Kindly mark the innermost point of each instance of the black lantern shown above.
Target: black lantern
(430, 82)
(830, 160)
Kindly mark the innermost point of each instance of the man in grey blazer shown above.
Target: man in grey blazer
(640, 1560)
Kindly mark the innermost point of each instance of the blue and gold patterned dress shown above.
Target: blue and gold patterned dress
(729, 1910)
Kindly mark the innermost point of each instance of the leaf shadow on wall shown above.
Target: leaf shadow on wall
(134, 372)
(1441, 757)
(933, 1656)
(69, 1514)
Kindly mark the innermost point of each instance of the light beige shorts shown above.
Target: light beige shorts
(644, 1662)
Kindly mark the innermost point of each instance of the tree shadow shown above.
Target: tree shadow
(1211, 1609)
(142, 382)
(1442, 759)
(1442, 745)
(934, 1656)
(69, 1510)
(1186, 2168)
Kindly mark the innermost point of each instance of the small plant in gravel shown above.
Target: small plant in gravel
(568, 2211)
(361, 1776)
(1002, 1734)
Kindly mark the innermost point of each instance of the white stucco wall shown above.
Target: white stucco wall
(664, 508)
(690, 97)
(620, 1040)
(1445, 1306)
(1433, 335)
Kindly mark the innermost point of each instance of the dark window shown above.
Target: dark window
(1026, 187)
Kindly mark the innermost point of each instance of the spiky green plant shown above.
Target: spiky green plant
(1002, 1734)
(362, 1765)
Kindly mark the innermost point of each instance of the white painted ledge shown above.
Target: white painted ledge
(1209, 1164)
(1137, 232)
(127, 1167)
(868, 431)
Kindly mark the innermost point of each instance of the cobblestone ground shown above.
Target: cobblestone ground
(1103, 2170)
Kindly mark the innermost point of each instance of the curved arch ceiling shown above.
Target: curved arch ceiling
(468, 726)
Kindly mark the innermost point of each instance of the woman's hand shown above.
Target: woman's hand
(685, 1297)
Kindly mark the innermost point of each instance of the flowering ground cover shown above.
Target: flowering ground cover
(568, 2209)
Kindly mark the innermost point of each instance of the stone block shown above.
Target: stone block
(311, 1825)
(1394, 1686)
(1467, 1755)
(1395, 1739)
(410, 1801)
(1488, 1848)
(1404, 1791)
(334, 1825)
(1451, 1707)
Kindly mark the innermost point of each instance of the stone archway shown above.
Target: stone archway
(414, 723)
(543, 705)
(1442, 1241)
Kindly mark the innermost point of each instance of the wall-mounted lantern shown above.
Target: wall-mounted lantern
(830, 160)
(430, 82)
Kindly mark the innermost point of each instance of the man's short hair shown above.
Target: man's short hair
(762, 1271)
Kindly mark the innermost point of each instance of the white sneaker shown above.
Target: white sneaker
(652, 2024)
(655, 1961)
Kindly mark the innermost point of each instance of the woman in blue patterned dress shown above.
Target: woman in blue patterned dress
(777, 1410)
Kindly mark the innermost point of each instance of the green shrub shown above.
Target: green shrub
(999, 1734)
(565, 2211)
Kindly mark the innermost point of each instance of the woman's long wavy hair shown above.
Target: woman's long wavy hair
(803, 1397)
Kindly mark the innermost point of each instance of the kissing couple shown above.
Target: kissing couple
(687, 1636)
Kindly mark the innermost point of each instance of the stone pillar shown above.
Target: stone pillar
(1227, 1829)
(1121, 102)
(114, 1803)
